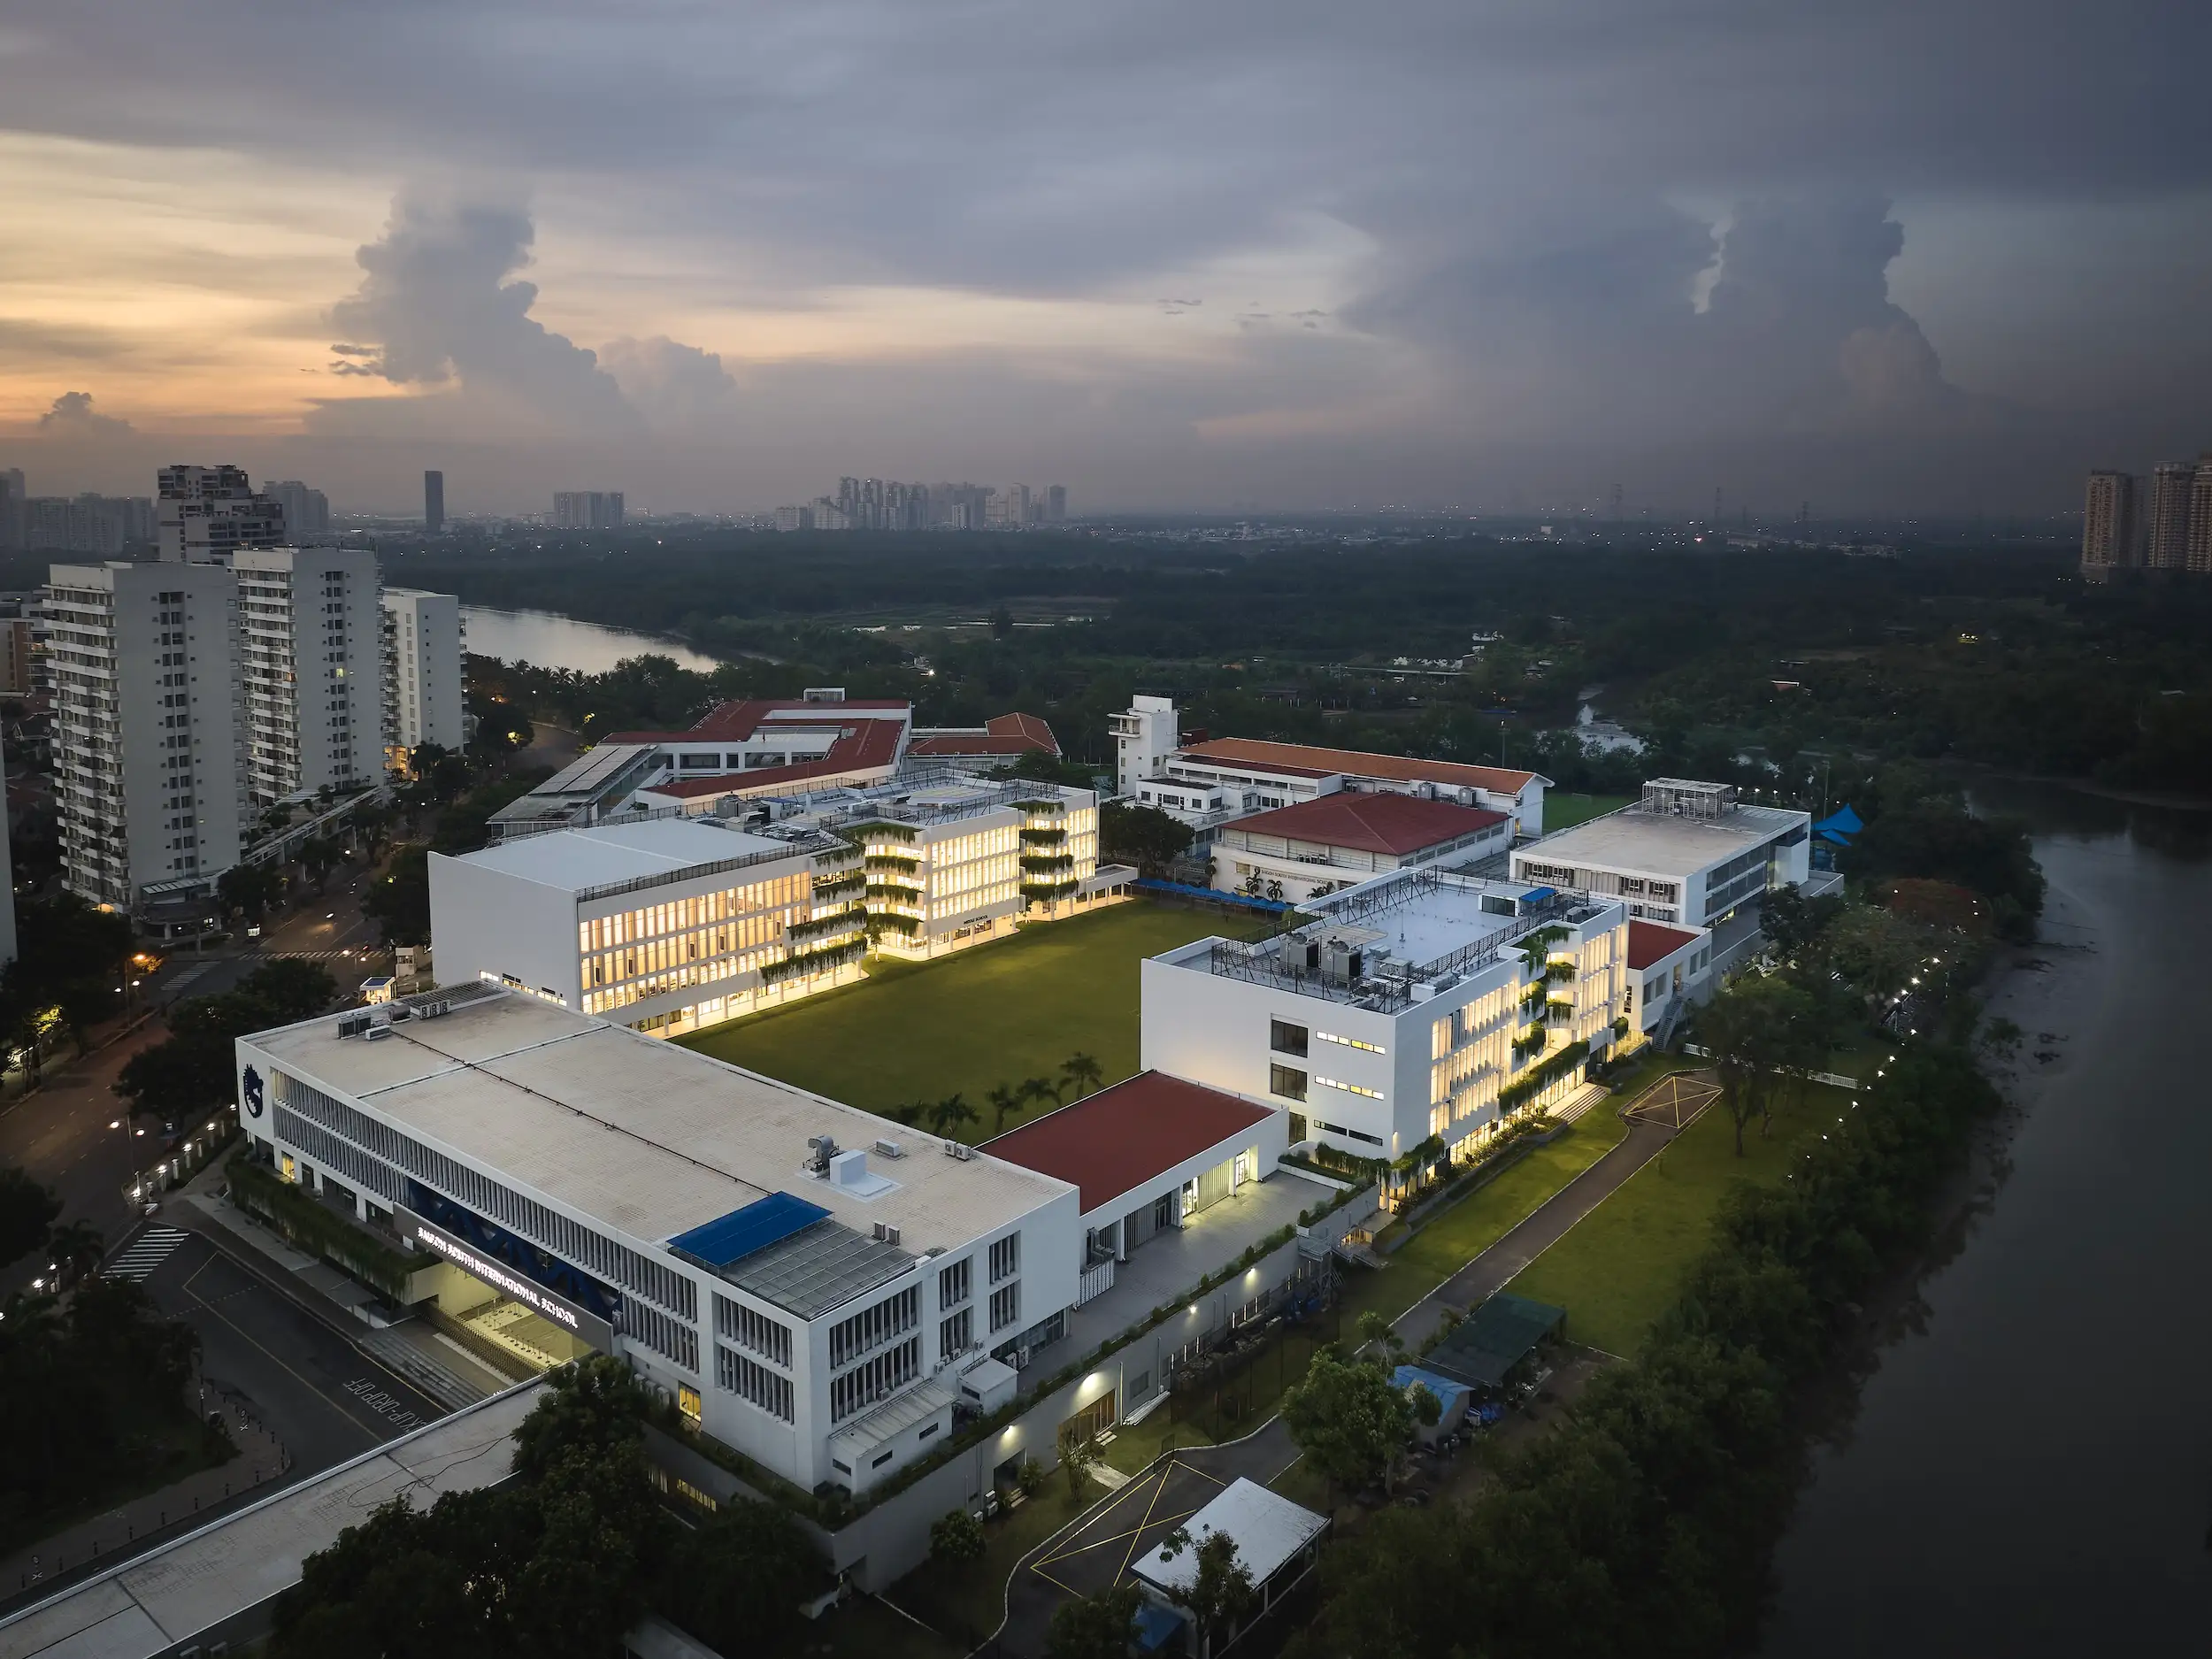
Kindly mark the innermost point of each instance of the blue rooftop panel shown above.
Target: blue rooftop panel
(735, 1236)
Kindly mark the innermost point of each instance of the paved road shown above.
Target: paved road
(1488, 1273)
(72, 1134)
(323, 1397)
(1094, 1551)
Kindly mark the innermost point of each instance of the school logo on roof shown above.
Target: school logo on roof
(253, 1093)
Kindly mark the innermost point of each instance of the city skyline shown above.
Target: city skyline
(1429, 257)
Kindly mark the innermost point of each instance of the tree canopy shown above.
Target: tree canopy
(1352, 1424)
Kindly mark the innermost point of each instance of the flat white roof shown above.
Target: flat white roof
(149, 1606)
(573, 859)
(1269, 1529)
(648, 1139)
(1658, 842)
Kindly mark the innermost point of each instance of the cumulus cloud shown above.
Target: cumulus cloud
(1544, 187)
(73, 416)
(440, 306)
(673, 385)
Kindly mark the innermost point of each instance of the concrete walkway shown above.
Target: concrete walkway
(1543, 1227)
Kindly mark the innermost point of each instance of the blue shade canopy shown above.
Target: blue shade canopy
(760, 1224)
(1841, 822)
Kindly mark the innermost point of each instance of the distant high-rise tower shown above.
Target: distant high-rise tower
(204, 514)
(2107, 522)
(306, 511)
(432, 502)
(2201, 516)
(1056, 504)
(2167, 547)
(587, 509)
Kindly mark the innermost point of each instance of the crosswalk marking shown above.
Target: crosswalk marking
(312, 955)
(149, 1250)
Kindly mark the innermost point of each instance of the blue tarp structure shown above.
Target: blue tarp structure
(1450, 1393)
(1213, 895)
(1839, 826)
(1158, 1626)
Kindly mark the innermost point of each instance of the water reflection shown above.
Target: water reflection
(2181, 833)
(547, 640)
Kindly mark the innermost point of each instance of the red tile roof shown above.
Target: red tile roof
(1122, 1137)
(1650, 941)
(1371, 823)
(1002, 734)
(735, 722)
(1358, 764)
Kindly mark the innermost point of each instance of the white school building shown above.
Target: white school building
(1687, 852)
(807, 1281)
(1424, 1006)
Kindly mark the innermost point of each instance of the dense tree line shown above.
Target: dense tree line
(557, 1563)
(194, 1069)
(1645, 1523)
(92, 1383)
(2000, 657)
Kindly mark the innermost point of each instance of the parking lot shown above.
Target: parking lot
(1098, 1553)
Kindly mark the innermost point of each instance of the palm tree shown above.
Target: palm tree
(1081, 1073)
(949, 1113)
(78, 1247)
(1040, 1089)
(1004, 1102)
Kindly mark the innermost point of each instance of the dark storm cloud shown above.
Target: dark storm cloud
(1547, 187)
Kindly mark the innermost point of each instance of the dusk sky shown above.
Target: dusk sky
(1937, 255)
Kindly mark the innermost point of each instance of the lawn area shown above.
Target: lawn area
(1467, 1229)
(1563, 810)
(1454, 1237)
(1001, 1012)
(1623, 1266)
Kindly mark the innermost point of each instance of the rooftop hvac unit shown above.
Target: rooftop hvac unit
(819, 1150)
(376, 1033)
(433, 1008)
(953, 1150)
(885, 1234)
(354, 1024)
(890, 1149)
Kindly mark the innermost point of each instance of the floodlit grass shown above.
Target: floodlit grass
(1456, 1237)
(1001, 1012)
(1623, 1265)
(1453, 1239)
(1563, 810)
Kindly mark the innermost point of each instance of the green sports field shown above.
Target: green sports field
(1001, 1012)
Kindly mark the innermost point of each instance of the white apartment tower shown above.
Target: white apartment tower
(204, 514)
(144, 664)
(312, 659)
(1145, 736)
(423, 650)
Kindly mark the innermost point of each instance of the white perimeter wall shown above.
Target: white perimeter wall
(488, 921)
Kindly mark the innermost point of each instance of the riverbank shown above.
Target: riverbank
(2014, 1456)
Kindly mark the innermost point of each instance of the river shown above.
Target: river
(546, 640)
(2029, 1471)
